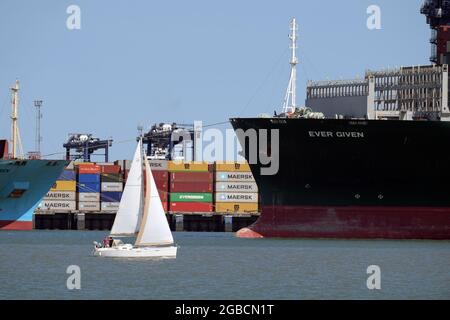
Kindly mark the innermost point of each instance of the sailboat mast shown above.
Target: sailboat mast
(147, 194)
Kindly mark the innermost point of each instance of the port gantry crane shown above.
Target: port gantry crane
(85, 145)
(162, 138)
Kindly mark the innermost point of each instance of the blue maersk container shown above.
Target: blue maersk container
(88, 187)
(110, 196)
(89, 178)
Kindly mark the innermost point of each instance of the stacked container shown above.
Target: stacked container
(191, 187)
(161, 175)
(235, 189)
(62, 196)
(88, 187)
(111, 187)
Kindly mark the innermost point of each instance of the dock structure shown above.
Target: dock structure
(188, 221)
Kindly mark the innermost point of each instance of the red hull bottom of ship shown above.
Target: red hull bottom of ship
(350, 223)
(16, 225)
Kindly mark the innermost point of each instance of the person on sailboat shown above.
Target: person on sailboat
(110, 241)
(107, 242)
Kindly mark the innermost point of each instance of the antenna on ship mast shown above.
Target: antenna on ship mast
(15, 135)
(290, 103)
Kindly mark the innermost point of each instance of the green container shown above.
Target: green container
(111, 177)
(191, 197)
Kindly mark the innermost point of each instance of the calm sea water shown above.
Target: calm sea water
(219, 266)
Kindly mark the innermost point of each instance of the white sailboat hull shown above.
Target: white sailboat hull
(129, 251)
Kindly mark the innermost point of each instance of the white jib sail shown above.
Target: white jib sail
(154, 228)
(127, 218)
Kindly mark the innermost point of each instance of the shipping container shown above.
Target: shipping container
(111, 186)
(236, 187)
(190, 197)
(64, 186)
(160, 175)
(61, 195)
(111, 169)
(84, 168)
(124, 164)
(175, 166)
(234, 176)
(233, 166)
(59, 206)
(111, 177)
(105, 164)
(89, 206)
(191, 207)
(162, 185)
(88, 178)
(88, 187)
(236, 207)
(191, 176)
(67, 175)
(191, 187)
(110, 206)
(89, 197)
(236, 197)
(110, 196)
(158, 165)
(163, 195)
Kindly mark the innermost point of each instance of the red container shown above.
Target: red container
(111, 169)
(162, 185)
(165, 206)
(164, 195)
(190, 207)
(125, 174)
(89, 168)
(191, 177)
(191, 186)
(160, 175)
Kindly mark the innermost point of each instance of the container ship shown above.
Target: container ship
(370, 162)
(23, 182)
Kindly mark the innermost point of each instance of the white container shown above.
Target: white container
(158, 165)
(88, 206)
(110, 206)
(112, 187)
(104, 163)
(61, 195)
(234, 177)
(236, 187)
(58, 206)
(236, 197)
(89, 197)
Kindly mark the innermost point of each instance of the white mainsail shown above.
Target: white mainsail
(127, 219)
(154, 228)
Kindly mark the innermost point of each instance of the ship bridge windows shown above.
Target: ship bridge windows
(17, 193)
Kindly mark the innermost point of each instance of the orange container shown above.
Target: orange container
(89, 168)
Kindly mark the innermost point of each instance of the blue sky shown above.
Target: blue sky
(141, 62)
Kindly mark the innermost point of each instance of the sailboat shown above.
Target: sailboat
(139, 215)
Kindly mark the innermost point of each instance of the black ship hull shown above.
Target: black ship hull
(353, 179)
